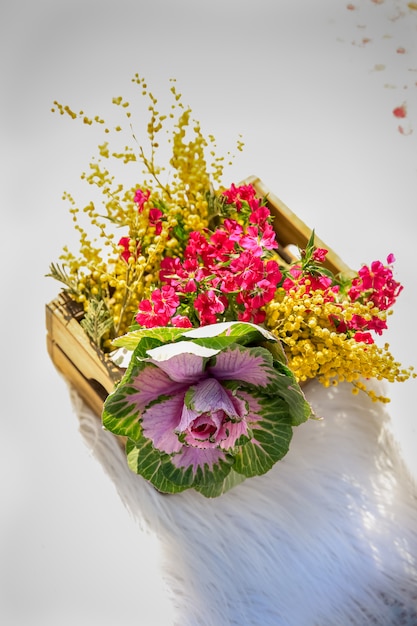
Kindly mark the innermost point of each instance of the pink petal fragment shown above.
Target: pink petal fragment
(160, 421)
(243, 365)
(400, 111)
(405, 130)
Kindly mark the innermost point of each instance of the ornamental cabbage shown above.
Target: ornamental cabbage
(204, 408)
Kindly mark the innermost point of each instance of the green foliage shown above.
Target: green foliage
(97, 321)
(59, 273)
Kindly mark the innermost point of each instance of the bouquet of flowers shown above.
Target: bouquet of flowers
(221, 331)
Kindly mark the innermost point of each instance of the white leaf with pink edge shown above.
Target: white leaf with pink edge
(220, 328)
(183, 361)
(167, 351)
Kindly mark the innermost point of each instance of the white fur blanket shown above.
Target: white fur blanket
(327, 538)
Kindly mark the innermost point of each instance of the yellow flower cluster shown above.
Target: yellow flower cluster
(301, 320)
(100, 272)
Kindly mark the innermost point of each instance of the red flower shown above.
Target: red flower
(338, 323)
(321, 282)
(244, 193)
(221, 246)
(400, 111)
(182, 276)
(124, 241)
(169, 271)
(155, 220)
(377, 325)
(363, 337)
(197, 246)
(126, 253)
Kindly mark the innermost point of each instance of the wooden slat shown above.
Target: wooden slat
(90, 371)
(67, 333)
(93, 397)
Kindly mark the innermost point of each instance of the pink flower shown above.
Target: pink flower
(149, 317)
(321, 282)
(141, 197)
(221, 247)
(251, 312)
(169, 272)
(263, 290)
(197, 245)
(358, 323)
(233, 229)
(377, 325)
(248, 270)
(263, 293)
(260, 216)
(165, 300)
(339, 323)
(320, 254)
(159, 309)
(181, 321)
(208, 305)
(257, 242)
(182, 276)
(376, 284)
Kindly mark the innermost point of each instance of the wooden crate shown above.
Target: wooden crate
(90, 371)
(87, 369)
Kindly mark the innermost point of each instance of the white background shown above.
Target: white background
(311, 86)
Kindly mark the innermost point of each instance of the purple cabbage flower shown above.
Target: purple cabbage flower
(204, 408)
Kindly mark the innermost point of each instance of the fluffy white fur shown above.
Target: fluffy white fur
(327, 538)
